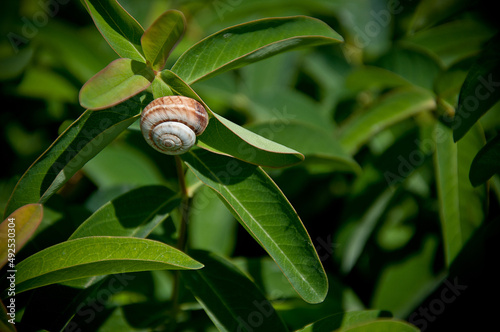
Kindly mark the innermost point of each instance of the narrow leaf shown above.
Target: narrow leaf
(412, 280)
(121, 31)
(263, 210)
(92, 256)
(480, 90)
(382, 325)
(17, 229)
(429, 12)
(364, 230)
(120, 80)
(316, 143)
(79, 143)
(461, 205)
(162, 36)
(396, 106)
(225, 137)
(122, 217)
(371, 77)
(447, 185)
(250, 42)
(230, 299)
(486, 163)
(344, 320)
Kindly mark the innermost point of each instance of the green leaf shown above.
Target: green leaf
(249, 42)
(417, 66)
(447, 40)
(225, 137)
(310, 140)
(460, 205)
(371, 77)
(263, 210)
(12, 64)
(120, 80)
(480, 90)
(122, 217)
(364, 229)
(231, 300)
(93, 256)
(486, 163)
(403, 285)
(22, 223)
(207, 216)
(344, 320)
(46, 84)
(77, 53)
(134, 169)
(118, 27)
(395, 106)
(79, 143)
(160, 89)
(429, 12)
(162, 36)
(382, 325)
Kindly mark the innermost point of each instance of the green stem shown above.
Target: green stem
(181, 241)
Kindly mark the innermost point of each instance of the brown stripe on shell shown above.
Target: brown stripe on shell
(179, 109)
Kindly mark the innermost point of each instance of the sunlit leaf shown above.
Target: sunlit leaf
(461, 207)
(230, 299)
(343, 320)
(313, 142)
(121, 217)
(227, 138)
(162, 36)
(246, 43)
(120, 80)
(396, 106)
(93, 256)
(118, 27)
(79, 143)
(19, 226)
(266, 214)
(382, 325)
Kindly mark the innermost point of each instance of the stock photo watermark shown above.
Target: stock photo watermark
(222, 7)
(30, 26)
(89, 309)
(430, 312)
(11, 269)
(365, 35)
(424, 148)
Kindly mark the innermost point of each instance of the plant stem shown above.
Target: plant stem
(181, 242)
(182, 234)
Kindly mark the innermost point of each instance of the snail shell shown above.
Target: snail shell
(170, 124)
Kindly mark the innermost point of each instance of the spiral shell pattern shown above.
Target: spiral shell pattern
(170, 124)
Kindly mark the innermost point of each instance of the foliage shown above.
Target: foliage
(354, 142)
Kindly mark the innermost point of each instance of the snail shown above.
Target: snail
(170, 124)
